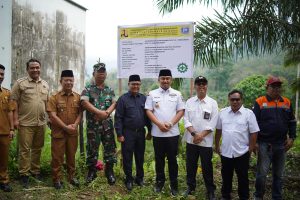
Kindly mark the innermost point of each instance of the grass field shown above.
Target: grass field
(99, 189)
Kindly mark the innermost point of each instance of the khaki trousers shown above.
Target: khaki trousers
(4, 150)
(31, 142)
(60, 147)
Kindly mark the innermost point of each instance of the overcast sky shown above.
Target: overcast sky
(104, 16)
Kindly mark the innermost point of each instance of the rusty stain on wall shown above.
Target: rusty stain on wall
(49, 39)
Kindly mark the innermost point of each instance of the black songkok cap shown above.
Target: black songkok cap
(99, 66)
(134, 77)
(67, 73)
(200, 79)
(165, 72)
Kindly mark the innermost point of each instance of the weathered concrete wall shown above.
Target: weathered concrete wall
(54, 33)
(5, 39)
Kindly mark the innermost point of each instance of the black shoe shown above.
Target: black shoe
(109, 173)
(128, 185)
(139, 182)
(111, 180)
(5, 187)
(158, 188)
(75, 182)
(37, 176)
(58, 185)
(25, 181)
(211, 196)
(174, 191)
(91, 175)
(188, 192)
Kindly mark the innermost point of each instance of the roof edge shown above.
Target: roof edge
(76, 4)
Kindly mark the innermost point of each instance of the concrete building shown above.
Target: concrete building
(50, 31)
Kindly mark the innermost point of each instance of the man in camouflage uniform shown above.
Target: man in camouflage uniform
(98, 101)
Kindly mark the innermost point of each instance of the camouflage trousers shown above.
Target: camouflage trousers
(97, 133)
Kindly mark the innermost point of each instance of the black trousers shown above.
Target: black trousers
(134, 144)
(240, 165)
(192, 155)
(166, 147)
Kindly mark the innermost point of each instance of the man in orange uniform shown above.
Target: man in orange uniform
(65, 114)
(6, 132)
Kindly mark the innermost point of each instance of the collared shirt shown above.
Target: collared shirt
(66, 107)
(5, 107)
(101, 98)
(130, 113)
(201, 115)
(164, 104)
(236, 128)
(31, 97)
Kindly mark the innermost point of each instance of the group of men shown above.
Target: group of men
(269, 130)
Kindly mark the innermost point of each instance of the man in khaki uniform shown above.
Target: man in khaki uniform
(6, 132)
(30, 94)
(65, 114)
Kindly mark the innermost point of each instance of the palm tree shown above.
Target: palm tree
(245, 27)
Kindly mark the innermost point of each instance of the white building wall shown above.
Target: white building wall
(5, 39)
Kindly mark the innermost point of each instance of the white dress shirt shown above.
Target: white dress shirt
(202, 115)
(236, 129)
(164, 104)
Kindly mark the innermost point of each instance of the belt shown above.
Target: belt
(135, 129)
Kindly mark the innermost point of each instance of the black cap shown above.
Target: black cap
(200, 79)
(99, 67)
(134, 77)
(67, 73)
(165, 72)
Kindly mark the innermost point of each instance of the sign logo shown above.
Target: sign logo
(182, 67)
(185, 30)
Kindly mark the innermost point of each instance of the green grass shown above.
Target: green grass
(99, 189)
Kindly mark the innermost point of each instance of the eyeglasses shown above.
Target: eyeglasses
(235, 99)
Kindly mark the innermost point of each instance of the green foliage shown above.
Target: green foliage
(252, 87)
(243, 28)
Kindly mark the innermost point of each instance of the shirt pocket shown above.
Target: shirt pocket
(130, 109)
(29, 90)
(75, 107)
(61, 107)
(242, 126)
(44, 94)
(191, 113)
(157, 102)
(4, 103)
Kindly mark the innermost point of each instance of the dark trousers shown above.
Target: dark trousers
(192, 155)
(240, 165)
(166, 147)
(134, 144)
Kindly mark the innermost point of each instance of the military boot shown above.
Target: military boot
(91, 175)
(109, 173)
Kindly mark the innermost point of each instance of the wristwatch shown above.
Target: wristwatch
(193, 133)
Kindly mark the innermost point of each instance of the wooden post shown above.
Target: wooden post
(191, 87)
(81, 139)
(120, 87)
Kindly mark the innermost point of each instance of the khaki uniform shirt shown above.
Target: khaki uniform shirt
(67, 108)
(5, 107)
(31, 97)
